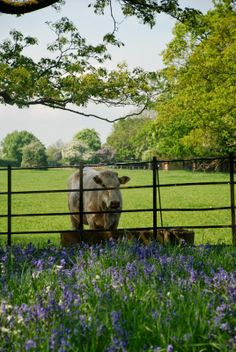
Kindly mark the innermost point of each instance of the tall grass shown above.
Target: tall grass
(176, 197)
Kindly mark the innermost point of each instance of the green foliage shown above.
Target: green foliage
(82, 148)
(73, 73)
(54, 153)
(13, 143)
(146, 10)
(7, 162)
(90, 137)
(104, 155)
(128, 137)
(34, 155)
(196, 113)
(76, 152)
(19, 7)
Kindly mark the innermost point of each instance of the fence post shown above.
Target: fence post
(159, 195)
(232, 199)
(9, 190)
(154, 184)
(81, 200)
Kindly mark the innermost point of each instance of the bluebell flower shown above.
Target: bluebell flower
(29, 345)
(170, 348)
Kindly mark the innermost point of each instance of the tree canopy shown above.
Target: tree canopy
(128, 137)
(77, 151)
(73, 75)
(196, 114)
(19, 7)
(34, 155)
(90, 137)
(54, 153)
(145, 10)
(14, 142)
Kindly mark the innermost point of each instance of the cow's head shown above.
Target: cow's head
(111, 198)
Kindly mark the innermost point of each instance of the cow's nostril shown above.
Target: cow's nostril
(115, 204)
(104, 206)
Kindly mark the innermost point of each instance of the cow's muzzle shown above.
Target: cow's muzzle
(115, 204)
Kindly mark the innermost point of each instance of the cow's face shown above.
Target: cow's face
(111, 198)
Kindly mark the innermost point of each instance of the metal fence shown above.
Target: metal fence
(156, 209)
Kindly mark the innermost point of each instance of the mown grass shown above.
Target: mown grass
(176, 197)
(117, 297)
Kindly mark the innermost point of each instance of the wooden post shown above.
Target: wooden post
(154, 184)
(9, 190)
(232, 198)
(81, 200)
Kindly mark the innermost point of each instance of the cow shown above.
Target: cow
(99, 199)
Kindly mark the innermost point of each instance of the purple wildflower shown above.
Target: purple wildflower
(193, 276)
(115, 317)
(117, 345)
(224, 326)
(30, 344)
(170, 348)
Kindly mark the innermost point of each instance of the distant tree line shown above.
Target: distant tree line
(22, 148)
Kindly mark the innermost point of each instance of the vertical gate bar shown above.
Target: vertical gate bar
(232, 198)
(81, 200)
(154, 184)
(9, 190)
(159, 195)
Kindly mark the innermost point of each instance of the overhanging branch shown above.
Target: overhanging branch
(21, 7)
(91, 115)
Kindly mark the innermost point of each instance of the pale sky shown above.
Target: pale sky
(143, 47)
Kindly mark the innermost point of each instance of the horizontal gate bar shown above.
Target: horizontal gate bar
(125, 187)
(117, 211)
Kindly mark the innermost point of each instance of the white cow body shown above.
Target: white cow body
(99, 199)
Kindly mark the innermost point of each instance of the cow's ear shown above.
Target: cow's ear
(124, 179)
(97, 179)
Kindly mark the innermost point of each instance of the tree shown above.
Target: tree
(124, 137)
(34, 155)
(196, 114)
(145, 10)
(74, 77)
(25, 6)
(13, 143)
(54, 153)
(145, 142)
(105, 155)
(89, 137)
(76, 152)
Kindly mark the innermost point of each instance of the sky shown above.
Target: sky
(143, 47)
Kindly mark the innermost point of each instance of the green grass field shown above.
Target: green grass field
(171, 197)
